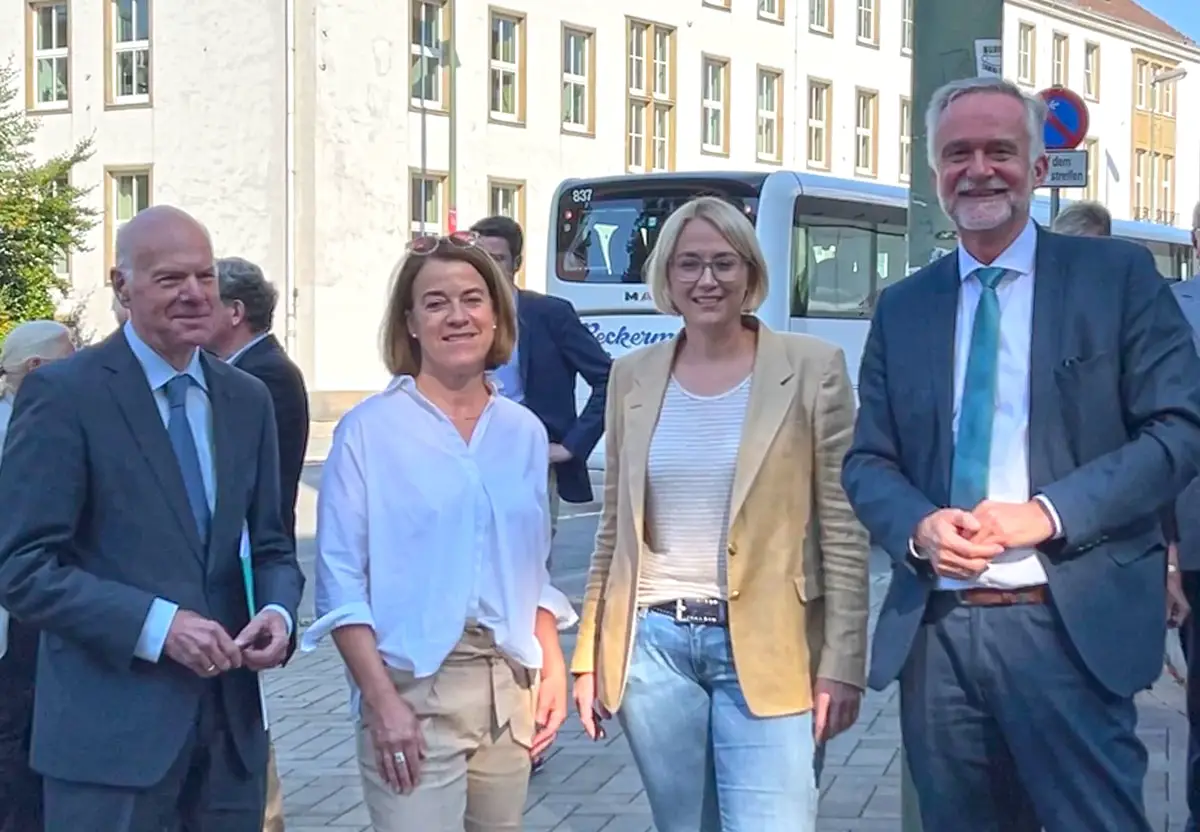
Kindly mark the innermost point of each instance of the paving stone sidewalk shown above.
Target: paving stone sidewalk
(587, 787)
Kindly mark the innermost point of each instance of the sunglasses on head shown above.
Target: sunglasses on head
(429, 243)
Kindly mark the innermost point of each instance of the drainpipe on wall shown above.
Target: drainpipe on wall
(289, 224)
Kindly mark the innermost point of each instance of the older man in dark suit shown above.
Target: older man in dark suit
(1027, 404)
(243, 338)
(134, 470)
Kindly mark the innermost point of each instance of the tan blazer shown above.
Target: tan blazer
(797, 557)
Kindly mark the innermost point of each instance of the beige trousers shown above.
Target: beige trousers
(273, 821)
(476, 715)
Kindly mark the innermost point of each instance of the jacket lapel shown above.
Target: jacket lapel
(772, 391)
(643, 404)
(938, 337)
(136, 403)
(224, 414)
(1049, 306)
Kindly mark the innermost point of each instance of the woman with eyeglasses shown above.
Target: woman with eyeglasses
(725, 616)
(432, 541)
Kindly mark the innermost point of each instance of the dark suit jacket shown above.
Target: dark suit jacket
(554, 347)
(1114, 430)
(97, 524)
(1182, 517)
(267, 362)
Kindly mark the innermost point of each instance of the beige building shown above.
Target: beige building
(299, 130)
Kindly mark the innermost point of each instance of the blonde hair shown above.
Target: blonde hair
(401, 352)
(732, 224)
(27, 341)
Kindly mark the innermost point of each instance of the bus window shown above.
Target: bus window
(892, 265)
(606, 235)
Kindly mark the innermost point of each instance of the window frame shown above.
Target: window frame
(418, 52)
(111, 224)
(114, 50)
(775, 77)
(827, 7)
(1060, 39)
(908, 27)
(517, 68)
(1029, 55)
(34, 54)
(777, 16)
(1091, 49)
(720, 105)
(649, 99)
(825, 126)
(439, 178)
(871, 8)
(906, 140)
(496, 183)
(873, 136)
(588, 128)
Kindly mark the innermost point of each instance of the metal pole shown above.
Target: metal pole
(452, 73)
(424, 148)
(944, 41)
(1055, 202)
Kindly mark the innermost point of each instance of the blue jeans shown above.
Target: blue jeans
(707, 763)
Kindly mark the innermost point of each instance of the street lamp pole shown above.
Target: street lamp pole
(1155, 172)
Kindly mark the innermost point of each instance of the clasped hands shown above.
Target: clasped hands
(961, 544)
(202, 645)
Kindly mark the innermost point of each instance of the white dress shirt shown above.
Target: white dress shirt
(419, 531)
(1008, 469)
(199, 411)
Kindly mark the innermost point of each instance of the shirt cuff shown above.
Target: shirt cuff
(347, 615)
(557, 604)
(287, 616)
(153, 638)
(1050, 510)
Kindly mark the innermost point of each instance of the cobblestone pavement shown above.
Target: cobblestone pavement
(587, 787)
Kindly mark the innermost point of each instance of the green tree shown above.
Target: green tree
(42, 216)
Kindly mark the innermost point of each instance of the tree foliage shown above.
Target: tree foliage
(42, 216)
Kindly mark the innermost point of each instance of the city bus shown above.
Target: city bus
(831, 246)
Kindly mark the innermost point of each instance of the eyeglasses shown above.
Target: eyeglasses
(429, 243)
(688, 268)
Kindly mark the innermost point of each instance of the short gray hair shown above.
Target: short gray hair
(1035, 111)
(241, 280)
(1084, 219)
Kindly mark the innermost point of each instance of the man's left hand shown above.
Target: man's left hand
(559, 454)
(835, 708)
(264, 641)
(1013, 525)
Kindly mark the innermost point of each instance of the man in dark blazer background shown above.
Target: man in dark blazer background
(1028, 403)
(132, 470)
(553, 349)
(243, 338)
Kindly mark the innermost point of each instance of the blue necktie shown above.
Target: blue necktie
(180, 431)
(973, 445)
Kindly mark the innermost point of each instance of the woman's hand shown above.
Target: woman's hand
(551, 709)
(590, 711)
(399, 745)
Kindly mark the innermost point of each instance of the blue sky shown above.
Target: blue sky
(1184, 15)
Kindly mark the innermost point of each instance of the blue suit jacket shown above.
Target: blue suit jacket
(1182, 518)
(1114, 432)
(554, 348)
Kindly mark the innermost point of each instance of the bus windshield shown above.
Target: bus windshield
(606, 231)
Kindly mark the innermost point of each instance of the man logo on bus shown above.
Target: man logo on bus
(637, 296)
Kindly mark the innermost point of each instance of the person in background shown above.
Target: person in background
(26, 347)
(725, 616)
(433, 535)
(133, 470)
(1182, 528)
(1084, 219)
(243, 338)
(1011, 455)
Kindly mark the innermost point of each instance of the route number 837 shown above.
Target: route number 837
(581, 195)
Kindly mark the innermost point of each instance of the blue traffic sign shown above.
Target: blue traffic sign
(1067, 120)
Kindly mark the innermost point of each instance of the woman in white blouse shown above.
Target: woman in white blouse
(27, 346)
(432, 542)
(725, 618)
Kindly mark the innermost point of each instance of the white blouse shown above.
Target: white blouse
(418, 530)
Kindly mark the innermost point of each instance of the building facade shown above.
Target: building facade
(316, 136)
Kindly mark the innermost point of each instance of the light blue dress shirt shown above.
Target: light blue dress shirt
(199, 411)
(507, 378)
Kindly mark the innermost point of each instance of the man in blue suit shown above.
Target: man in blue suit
(1028, 403)
(554, 348)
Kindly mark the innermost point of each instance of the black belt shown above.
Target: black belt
(694, 611)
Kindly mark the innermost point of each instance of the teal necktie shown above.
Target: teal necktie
(179, 428)
(973, 445)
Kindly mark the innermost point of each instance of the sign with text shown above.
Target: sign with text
(1068, 169)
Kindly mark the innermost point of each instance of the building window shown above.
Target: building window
(866, 114)
(507, 58)
(819, 14)
(578, 114)
(906, 27)
(128, 194)
(50, 56)
(1166, 196)
(428, 36)
(130, 51)
(770, 125)
(651, 97)
(1140, 176)
(1092, 191)
(1060, 60)
(905, 140)
(868, 31)
(1158, 98)
(714, 137)
(1142, 84)
(425, 211)
(717, 4)
(770, 10)
(506, 198)
(1026, 48)
(819, 99)
(1091, 71)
